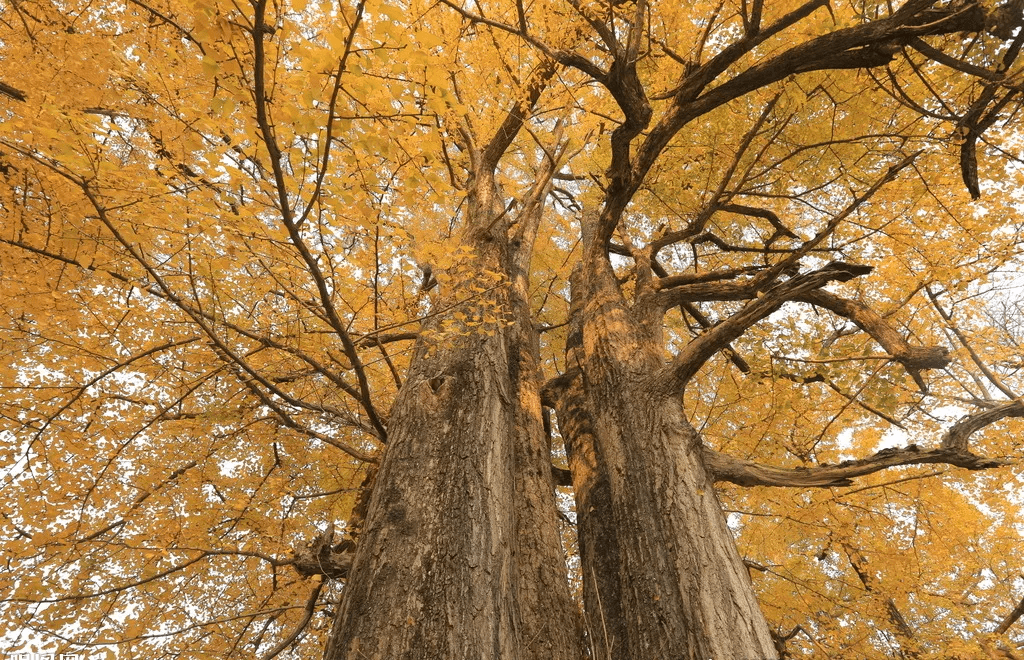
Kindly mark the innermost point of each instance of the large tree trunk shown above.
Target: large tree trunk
(668, 580)
(460, 555)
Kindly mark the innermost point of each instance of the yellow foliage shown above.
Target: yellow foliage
(221, 224)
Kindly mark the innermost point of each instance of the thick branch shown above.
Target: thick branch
(953, 450)
(561, 476)
(750, 473)
(980, 116)
(1011, 618)
(914, 358)
(694, 83)
(958, 436)
(933, 53)
(624, 84)
(705, 323)
(688, 279)
(861, 46)
(516, 116)
(697, 352)
(12, 92)
(320, 557)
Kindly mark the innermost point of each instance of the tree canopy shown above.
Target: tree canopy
(228, 227)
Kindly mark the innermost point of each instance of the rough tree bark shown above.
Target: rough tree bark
(662, 576)
(460, 556)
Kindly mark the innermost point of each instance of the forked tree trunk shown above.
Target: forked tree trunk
(667, 582)
(460, 555)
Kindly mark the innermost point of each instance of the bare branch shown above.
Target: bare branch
(962, 338)
(958, 436)
(953, 450)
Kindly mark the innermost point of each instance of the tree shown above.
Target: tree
(296, 294)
